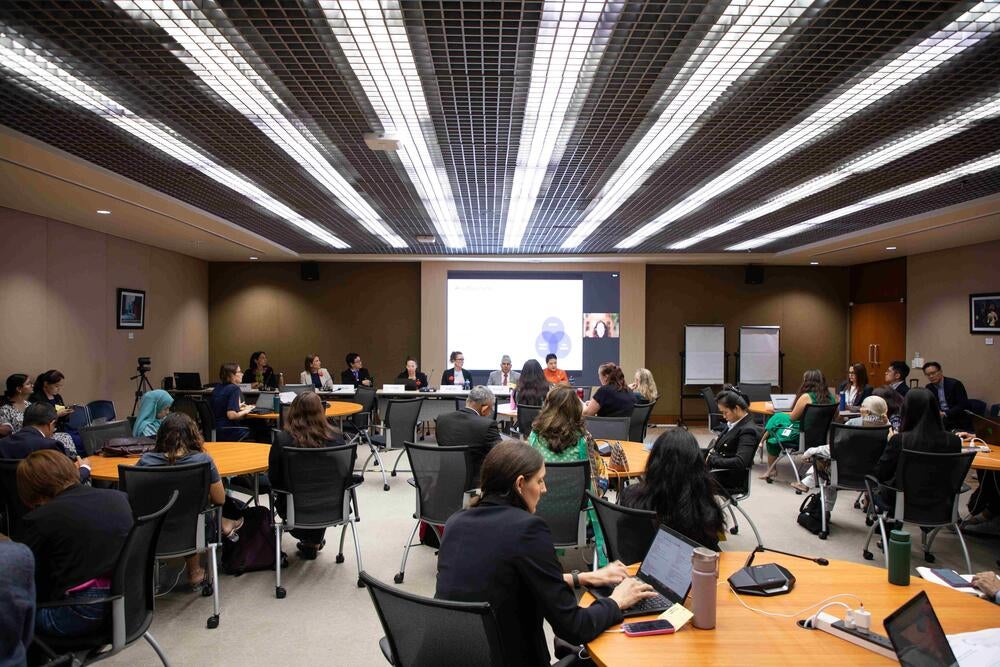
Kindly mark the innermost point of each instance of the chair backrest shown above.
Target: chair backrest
(79, 418)
(608, 428)
(977, 406)
(816, 422)
(149, 487)
(424, 631)
(186, 404)
(401, 415)
(96, 436)
(756, 391)
(931, 484)
(525, 417)
(640, 420)
(854, 452)
(13, 508)
(627, 532)
(711, 408)
(317, 478)
(441, 475)
(205, 419)
(102, 409)
(564, 500)
(366, 397)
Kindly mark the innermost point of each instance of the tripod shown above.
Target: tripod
(142, 385)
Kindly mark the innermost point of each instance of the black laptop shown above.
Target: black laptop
(917, 635)
(987, 430)
(187, 381)
(667, 568)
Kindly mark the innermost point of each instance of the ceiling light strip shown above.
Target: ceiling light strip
(218, 63)
(565, 43)
(31, 63)
(745, 35)
(991, 161)
(373, 38)
(966, 31)
(871, 160)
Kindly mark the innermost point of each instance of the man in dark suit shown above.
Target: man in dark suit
(355, 374)
(895, 376)
(951, 396)
(36, 434)
(471, 426)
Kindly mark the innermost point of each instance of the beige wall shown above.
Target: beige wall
(58, 308)
(938, 286)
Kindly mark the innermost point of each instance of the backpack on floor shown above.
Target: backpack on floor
(254, 550)
(809, 514)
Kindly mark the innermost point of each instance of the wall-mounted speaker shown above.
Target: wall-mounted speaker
(310, 270)
(754, 275)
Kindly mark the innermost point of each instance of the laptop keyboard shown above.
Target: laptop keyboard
(659, 603)
(262, 411)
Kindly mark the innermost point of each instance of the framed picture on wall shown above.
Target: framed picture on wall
(131, 308)
(984, 313)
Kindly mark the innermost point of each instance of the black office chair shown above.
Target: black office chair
(608, 428)
(131, 597)
(186, 530)
(357, 427)
(715, 421)
(79, 418)
(400, 426)
(854, 453)
(102, 410)
(95, 436)
(816, 420)
(422, 631)
(928, 488)
(639, 421)
(186, 404)
(564, 504)
(732, 497)
(627, 532)
(526, 415)
(13, 508)
(441, 477)
(756, 391)
(319, 495)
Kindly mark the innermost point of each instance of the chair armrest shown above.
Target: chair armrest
(217, 510)
(75, 602)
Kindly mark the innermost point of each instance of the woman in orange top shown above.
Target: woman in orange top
(553, 373)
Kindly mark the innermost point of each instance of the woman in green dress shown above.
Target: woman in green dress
(783, 427)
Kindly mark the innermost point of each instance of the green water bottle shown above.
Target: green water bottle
(899, 558)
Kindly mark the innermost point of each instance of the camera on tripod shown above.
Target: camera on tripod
(145, 365)
(142, 385)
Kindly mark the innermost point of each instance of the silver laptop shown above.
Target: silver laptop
(265, 403)
(782, 402)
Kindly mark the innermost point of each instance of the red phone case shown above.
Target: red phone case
(669, 630)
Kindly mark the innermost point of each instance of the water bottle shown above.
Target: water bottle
(466, 385)
(899, 558)
(277, 402)
(281, 380)
(704, 584)
(843, 401)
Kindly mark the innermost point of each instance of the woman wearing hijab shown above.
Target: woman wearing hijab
(154, 407)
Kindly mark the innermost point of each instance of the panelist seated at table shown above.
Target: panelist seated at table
(316, 375)
(36, 434)
(895, 376)
(855, 388)
(505, 376)
(412, 377)
(784, 427)
(155, 405)
(532, 387)
(471, 426)
(456, 375)
(553, 373)
(613, 398)
(261, 375)
(499, 552)
(355, 374)
(953, 401)
(226, 399)
(732, 453)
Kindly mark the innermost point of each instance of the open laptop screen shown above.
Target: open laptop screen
(917, 636)
(667, 565)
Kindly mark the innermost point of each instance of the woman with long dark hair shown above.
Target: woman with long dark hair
(679, 488)
(613, 398)
(14, 402)
(261, 375)
(532, 386)
(855, 388)
(784, 427)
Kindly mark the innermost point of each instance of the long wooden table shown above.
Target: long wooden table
(637, 457)
(231, 458)
(743, 636)
(335, 410)
(990, 462)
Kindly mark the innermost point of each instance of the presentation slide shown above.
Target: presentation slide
(525, 318)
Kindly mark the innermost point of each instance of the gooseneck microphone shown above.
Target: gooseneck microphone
(762, 548)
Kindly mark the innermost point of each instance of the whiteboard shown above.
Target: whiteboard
(704, 354)
(759, 354)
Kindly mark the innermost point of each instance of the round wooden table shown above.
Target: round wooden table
(989, 461)
(636, 454)
(507, 413)
(231, 458)
(743, 636)
(762, 408)
(335, 410)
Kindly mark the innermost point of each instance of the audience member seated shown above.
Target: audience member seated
(732, 454)
(554, 374)
(473, 427)
(989, 583)
(355, 373)
(855, 388)
(48, 386)
(316, 375)
(895, 376)
(177, 442)
(37, 434)
(497, 552)
(679, 488)
(894, 405)
(505, 376)
(456, 375)
(783, 427)
(922, 431)
(154, 407)
(412, 377)
(14, 403)
(644, 386)
(952, 399)
(17, 601)
(613, 398)
(532, 387)
(227, 400)
(76, 534)
(261, 375)
(305, 426)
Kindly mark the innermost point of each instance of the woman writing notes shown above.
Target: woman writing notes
(154, 407)
(411, 377)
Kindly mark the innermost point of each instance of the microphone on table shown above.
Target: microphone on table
(761, 548)
(769, 579)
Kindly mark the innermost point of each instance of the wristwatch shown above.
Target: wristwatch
(576, 578)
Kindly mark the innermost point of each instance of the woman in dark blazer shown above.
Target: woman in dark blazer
(732, 454)
(500, 552)
(412, 375)
(855, 388)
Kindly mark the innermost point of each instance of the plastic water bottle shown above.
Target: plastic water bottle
(899, 558)
(277, 402)
(704, 584)
(843, 401)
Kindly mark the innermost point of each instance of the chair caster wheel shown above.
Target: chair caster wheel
(929, 557)
(385, 487)
(279, 592)
(797, 492)
(207, 590)
(392, 474)
(361, 584)
(770, 480)
(213, 622)
(735, 530)
(868, 522)
(398, 578)
(868, 555)
(823, 535)
(340, 558)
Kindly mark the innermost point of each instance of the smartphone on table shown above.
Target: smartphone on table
(950, 577)
(644, 628)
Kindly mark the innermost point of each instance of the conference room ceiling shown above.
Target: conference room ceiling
(523, 127)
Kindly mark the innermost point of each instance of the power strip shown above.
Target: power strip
(874, 642)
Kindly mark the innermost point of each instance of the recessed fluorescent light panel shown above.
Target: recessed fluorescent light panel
(103, 211)
(870, 161)
(568, 41)
(372, 35)
(968, 30)
(982, 164)
(745, 36)
(32, 63)
(218, 63)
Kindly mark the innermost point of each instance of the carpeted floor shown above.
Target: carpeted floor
(327, 619)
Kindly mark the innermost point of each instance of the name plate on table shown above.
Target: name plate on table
(342, 389)
(451, 389)
(499, 389)
(394, 387)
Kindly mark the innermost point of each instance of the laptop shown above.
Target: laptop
(265, 403)
(917, 636)
(187, 381)
(986, 430)
(667, 568)
(782, 402)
